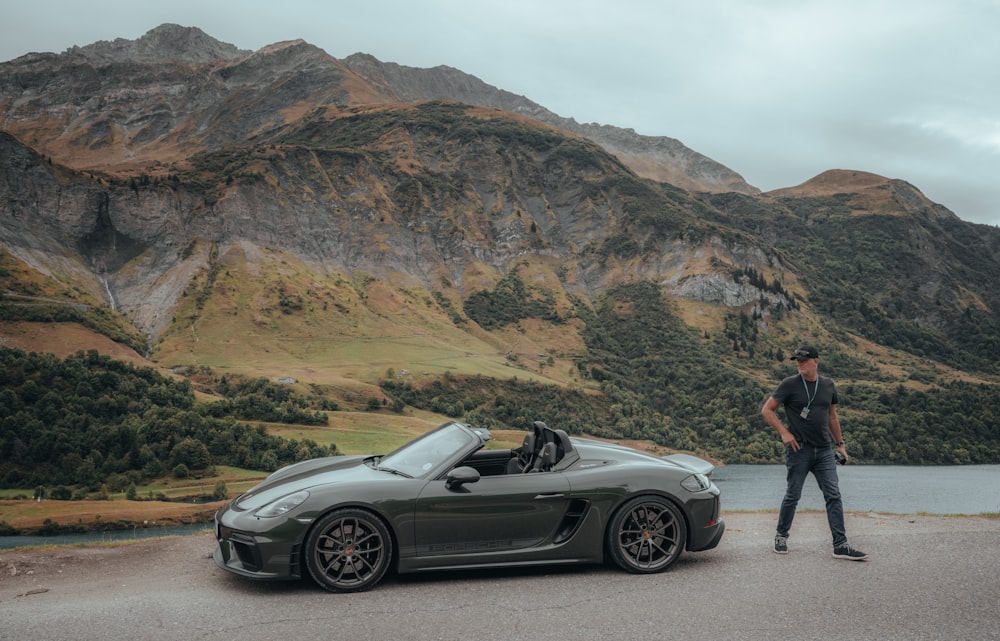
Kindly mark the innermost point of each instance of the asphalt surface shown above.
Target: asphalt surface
(927, 578)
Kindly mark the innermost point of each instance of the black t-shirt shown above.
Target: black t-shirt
(794, 393)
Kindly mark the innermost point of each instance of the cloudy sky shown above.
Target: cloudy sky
(777, 90)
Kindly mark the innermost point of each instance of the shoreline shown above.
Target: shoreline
(153, 533)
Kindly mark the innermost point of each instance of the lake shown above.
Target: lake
(8, 542)
(899, 489)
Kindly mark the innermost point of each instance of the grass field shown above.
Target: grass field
(269, 315)
(351, 432)
(94, 514)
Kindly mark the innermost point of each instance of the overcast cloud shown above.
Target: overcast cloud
(777, 90)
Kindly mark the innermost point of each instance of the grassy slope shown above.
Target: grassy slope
(344, 352)
(30, 514)
(63, 339)
(261, 313)
(280, 317)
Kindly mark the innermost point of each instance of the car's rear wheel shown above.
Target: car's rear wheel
(348, 550)
(646, 535)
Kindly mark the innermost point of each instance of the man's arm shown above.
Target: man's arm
(838, 436)
(770, 415)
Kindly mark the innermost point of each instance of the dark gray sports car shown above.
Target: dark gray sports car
(443, 501)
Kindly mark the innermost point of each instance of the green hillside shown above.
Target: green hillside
(451, 260)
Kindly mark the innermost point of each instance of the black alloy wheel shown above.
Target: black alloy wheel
(348, 551)
(646, 535)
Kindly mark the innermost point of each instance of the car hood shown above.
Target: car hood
(692, 463)
(301, 476)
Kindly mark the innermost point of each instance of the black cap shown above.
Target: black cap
(804, 353)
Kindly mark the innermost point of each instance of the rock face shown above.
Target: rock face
(656, 157)
(177, 89)
(666, 160)
(129, 168)
(135, 150)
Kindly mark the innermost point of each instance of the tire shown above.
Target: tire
(646, 535)
(348, 551)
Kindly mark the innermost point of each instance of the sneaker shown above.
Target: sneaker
(780, 544)
(845, 552)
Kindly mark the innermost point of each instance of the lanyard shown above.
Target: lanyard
(815, 390)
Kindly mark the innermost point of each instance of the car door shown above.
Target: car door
(494, 514)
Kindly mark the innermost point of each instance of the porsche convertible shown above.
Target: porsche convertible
(445, 501)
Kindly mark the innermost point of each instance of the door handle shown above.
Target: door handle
(555, 495)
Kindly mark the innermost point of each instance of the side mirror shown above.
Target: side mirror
(459, 476)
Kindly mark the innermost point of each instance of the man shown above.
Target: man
(810, 403)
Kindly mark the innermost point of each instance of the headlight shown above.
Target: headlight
(696, 483)
(282, 505)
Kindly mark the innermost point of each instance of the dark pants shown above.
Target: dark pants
(819, 461)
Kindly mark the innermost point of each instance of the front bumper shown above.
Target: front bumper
(714, 535)
(257, 555)
(707, 526)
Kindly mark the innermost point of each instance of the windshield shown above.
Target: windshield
(429, 451)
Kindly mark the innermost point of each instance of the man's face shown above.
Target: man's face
(807, 367)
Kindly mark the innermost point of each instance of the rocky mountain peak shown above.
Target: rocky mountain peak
(656, 157)
(165, 43)
(284, 78)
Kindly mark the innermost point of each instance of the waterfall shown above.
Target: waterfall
(111, 298)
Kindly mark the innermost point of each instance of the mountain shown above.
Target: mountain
(283, 213)
(655, 157)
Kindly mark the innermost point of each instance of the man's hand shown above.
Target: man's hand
(771, 417)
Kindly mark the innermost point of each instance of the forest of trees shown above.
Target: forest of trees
(91, 422)
(88, 421)
(507, 303)
(662, 383)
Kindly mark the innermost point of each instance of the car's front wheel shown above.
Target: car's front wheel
(348, 550)
(646, 535)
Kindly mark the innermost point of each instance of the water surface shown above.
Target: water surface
(899, 489)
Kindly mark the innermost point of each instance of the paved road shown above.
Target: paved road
(928, 578)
